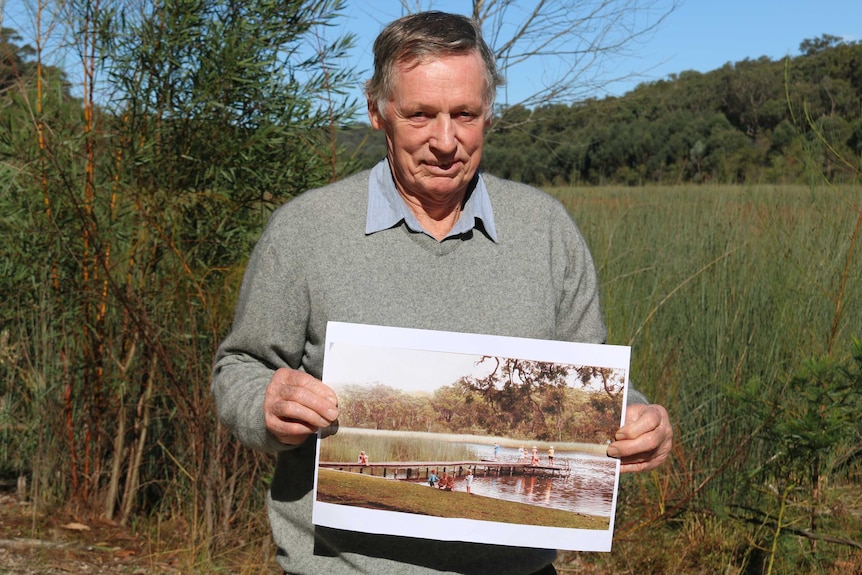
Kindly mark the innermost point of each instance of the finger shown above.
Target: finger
(299, 411)
(296, 405)
(306, 404)
(645, 441)
(291, 422)
(645, 461)
(640, 455)
(642, 446)
(307, 391)
(640, 419)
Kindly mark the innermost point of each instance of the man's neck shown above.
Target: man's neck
(438, 220)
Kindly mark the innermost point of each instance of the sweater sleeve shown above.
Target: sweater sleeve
(579, 312)
(268, 333)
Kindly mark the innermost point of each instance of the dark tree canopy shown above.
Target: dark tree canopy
(752, 120)
(530, 400)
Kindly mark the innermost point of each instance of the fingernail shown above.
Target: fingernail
(613, 452)
(332, 414)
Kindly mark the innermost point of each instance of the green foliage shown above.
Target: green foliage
(224, 97)
(127, 219)
(519, 399)
(809, 423)
(744, 122)
(813, 418)
(716, 287)
(808, 428)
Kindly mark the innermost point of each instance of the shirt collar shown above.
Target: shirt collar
(386, 208)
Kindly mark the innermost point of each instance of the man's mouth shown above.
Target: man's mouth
(443, 167)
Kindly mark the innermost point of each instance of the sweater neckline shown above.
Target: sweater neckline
(439, 248)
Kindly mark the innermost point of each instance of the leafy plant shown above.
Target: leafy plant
(807, 426)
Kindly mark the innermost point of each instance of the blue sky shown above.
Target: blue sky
(700, 35)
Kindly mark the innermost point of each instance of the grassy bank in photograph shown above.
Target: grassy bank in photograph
(346, 488)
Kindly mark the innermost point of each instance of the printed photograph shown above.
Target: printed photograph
(470, 437)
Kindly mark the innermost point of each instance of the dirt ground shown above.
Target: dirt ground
(34, 544)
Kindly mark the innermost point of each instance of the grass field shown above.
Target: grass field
(726, 292)
(730, 296)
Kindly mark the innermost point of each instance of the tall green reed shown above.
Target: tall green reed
(713, 286)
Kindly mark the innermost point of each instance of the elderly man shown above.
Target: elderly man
(422, 241)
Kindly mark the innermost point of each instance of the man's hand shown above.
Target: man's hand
(297, 405)
(644, 442)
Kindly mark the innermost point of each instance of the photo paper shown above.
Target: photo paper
(466, 437)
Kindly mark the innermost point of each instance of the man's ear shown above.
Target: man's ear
(374, 115)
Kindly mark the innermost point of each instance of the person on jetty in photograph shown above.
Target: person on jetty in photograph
(449, 481)
(422, 240)
(444, 481)
(433, 479)
(363, 458)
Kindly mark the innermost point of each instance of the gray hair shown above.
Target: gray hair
(428, 35)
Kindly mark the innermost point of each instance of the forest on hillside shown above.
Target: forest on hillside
(757, 120)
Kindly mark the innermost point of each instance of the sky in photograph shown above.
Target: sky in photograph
(699, 35)
(409, 370)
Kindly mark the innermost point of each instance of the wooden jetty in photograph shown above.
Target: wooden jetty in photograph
(422, 469)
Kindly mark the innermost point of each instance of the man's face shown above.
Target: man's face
(435, 126)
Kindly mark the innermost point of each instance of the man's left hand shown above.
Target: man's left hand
(644, 442)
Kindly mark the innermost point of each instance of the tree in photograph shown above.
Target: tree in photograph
(607, 379)
(375, 406)
(531, 397)
(459, 409)
(513, 388)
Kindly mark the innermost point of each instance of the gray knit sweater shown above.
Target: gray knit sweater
(314, 263)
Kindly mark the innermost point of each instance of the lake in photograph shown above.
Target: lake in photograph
(588, 488)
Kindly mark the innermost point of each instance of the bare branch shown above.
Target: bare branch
(569, 41)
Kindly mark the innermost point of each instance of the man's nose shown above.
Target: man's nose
(443, 134)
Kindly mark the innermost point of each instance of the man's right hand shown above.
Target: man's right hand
(297, 405)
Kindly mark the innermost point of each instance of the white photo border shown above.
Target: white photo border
(456, 529)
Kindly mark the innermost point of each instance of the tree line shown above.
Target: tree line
(756, 120)
(520, 399)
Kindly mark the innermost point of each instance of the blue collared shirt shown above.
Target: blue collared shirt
(386, 207)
